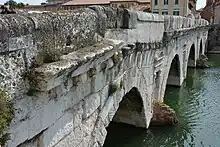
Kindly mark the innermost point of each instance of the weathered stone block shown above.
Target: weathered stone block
(104, 95)
(17, 43)
(107, 107)
(4, 37)
(99, 81)
(60, 129)
(118, 98)
(129, 19)
(82, 90)
(102, 18)
(51, 75)
(18, 133)
(92, 102)
(99, 133)
(77, 136)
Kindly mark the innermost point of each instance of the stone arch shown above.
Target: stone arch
(131, 109)
(174, 72)
(192, 56)
(200, 48)
(128, 108)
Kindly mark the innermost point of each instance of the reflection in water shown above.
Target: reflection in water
(197, 106)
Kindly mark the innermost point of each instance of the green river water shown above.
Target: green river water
(197, 104)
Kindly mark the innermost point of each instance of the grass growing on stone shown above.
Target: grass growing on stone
(6, 115)
(121, 84)
(112, 89)
(31, 92)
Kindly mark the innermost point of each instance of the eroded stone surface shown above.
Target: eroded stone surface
(203, 62)
(67, 73)
(163, 115)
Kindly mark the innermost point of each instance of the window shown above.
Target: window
(155, 2)
(176, 2)
(165, 13)
(155, 12)
(165, 2)
(176, 12)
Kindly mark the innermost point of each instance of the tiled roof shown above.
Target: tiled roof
(86, 2)
(34, 6)
(143, 1)
(96, 2)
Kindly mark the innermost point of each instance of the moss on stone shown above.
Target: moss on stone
(163, 114)
(76, 80)
(31, 92)
(91, 72)
(112, 89)
(116, 58)
(122, 84)
(6, 115)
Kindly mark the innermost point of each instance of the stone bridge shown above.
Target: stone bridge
(70, 74)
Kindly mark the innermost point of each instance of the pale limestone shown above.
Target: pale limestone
(68, 101)
(92, 102)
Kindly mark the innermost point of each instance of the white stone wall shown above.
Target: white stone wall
(67, 102)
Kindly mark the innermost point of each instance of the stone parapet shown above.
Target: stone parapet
(179, 22)
(74, 64)
(48, 35)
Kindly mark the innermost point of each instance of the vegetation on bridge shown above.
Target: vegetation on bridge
(6, 115)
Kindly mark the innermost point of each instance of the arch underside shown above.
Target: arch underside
(174, 72)
(192, 58)
(200, 48)
(131, 109)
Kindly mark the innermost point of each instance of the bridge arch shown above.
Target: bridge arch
(131, 109)
(192, 56)
(174, 77)
(200, 48)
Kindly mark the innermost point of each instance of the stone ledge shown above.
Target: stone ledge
(53, 74)
(149, 17)
(170, 34)
(178, 22)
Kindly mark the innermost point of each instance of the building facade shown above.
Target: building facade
(50, 5)
(45, 7)
(173, 7)
(139, 5)
(56, 1)
(211, 12)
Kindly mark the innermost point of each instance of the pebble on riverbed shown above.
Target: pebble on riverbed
(163, 115)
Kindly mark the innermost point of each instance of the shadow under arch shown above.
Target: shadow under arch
(200, 48)
(130, 114)
(174, 72)
(131, 109)
(192, 57)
